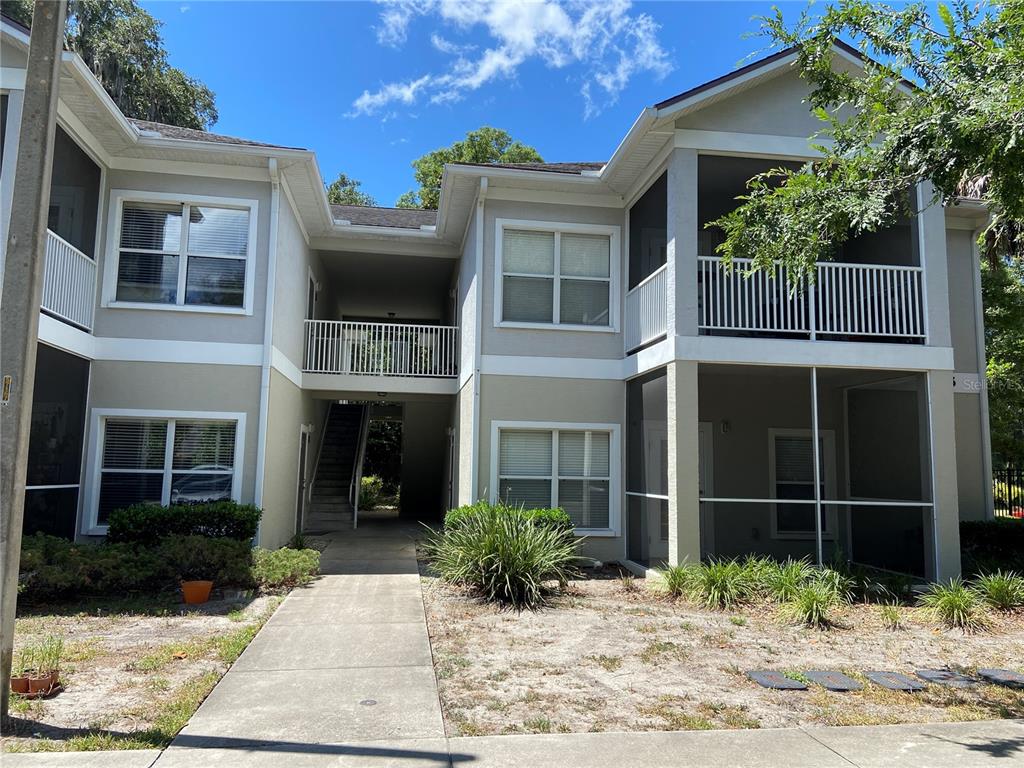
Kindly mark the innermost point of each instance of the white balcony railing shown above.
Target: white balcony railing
(846, 300)
(381, 349)
(647, 309)
(69, 282)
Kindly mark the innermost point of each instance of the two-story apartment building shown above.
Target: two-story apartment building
(556, 334)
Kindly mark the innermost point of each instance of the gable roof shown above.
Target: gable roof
(371, 216)
(573, 168)
(166, 131)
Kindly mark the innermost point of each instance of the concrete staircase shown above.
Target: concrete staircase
(329, 504)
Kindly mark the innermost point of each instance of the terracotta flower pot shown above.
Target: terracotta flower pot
(19, 684)
(43, 684)
(196, 591)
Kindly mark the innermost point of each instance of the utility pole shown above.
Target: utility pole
(19, 303)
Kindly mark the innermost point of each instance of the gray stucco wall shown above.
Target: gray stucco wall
(545, 342)
(971, 477)
(289, 409)
(517, 398)
(963, 277)
(185, 325)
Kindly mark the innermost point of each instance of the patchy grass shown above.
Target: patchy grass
(135, 672)
(609, 659)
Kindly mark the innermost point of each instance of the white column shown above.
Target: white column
(931, 243)
(10, 161)
(681, 243)
(945, 533)
(683, 459)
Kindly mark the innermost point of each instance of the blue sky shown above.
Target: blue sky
(372, 86)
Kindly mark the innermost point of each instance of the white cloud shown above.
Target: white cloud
(604, 40)
(185, 8)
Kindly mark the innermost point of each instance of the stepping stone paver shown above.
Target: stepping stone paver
(945, 677)
(1005, 677)
(775, 680)
(894, 681)
(833, 681)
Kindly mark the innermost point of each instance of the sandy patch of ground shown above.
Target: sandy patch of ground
(130, 672)
(605, 658)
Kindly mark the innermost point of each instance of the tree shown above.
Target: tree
(958, 124)
(345, 191)
(484, 145)
(121, 44)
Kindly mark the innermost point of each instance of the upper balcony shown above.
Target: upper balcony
(872, 292)
(69, 283)
(381, 349)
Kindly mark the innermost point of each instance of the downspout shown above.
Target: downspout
(477, 341)
(268, 338)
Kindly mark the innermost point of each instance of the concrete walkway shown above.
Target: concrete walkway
(345, 660)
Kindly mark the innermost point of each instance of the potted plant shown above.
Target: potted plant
(194, 569)
(39, 668)
(19, 671)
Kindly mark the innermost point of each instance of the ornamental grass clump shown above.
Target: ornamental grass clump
(783, 581)
(505, 555)
(718, 584)
(956, 605)
(1002, 590)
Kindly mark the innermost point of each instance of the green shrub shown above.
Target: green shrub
(371, 489)
(504, 554)
(813, 601)
(677, 579)
(57, 568)
(149, 523)
(1003, 590)
(274, 570)
(716, 584)
(956, 605)
(782, 581)
(892, 618)
(990, 545)
(552, 518)
(225, 562)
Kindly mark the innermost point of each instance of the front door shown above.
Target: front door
(303, 484)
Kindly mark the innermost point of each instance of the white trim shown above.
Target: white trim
(190, 168)
(614, 469)
(933, 478)
(280, 362)
(522, 195)
(611, 231)
(749, 144)
(12, 78)
(118, 197)
(97, 422)
(168, 351)
(478, 323)
(552, 367)
(66, 337)
(342, 383)
(923, 257)
(828, 438)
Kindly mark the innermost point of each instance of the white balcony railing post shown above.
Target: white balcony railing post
(380, 349)
(646, 316)
(69, 282)
(846, 300)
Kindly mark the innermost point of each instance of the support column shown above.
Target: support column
(683, 458)
(945, 536)
(931, 243)
(681, 245)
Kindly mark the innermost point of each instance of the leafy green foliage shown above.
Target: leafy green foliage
(282, 569)
(52, 567)
(991, 545)
(149, 523)
(956, 605)
(40, 658)
(1002, 590)
(892, 618)
(719, 584)
(121, 45)
(786, 579)
(813, 602)
(959, 125)
(554, 518)
(345, 191)
(503, 554)
(384, 452)
(484, 145)
(371, 489)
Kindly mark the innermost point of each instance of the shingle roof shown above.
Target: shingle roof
(404, 218)
(572, 168)
(191, 134)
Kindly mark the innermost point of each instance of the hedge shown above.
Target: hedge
(150, 523)
(989, 545)
(553, 518)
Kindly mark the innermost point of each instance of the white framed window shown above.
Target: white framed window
(556, 275)
(791, 476)
(186, 253)
(163, 457)
(572, 466)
